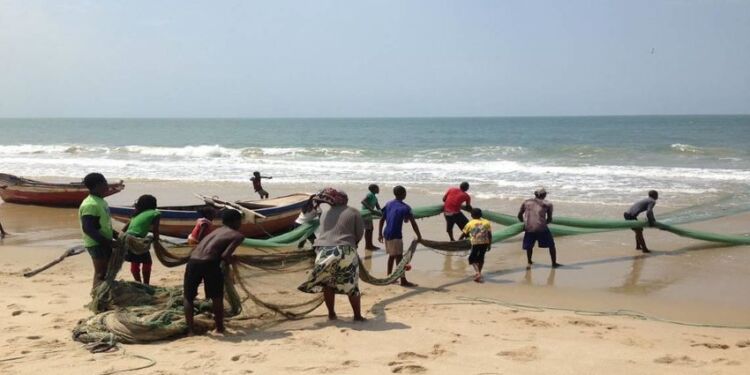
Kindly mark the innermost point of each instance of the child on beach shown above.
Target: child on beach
(96, 225)
(395, 214)
(202, 225)
(309, 213)
(145, 220)
(536, 214)
(256, 179)
(370, 203)
(2, 231)
(479, 231)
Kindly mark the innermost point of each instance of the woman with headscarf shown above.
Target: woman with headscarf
(336, 268)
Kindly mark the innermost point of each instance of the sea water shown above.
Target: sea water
(599, 160)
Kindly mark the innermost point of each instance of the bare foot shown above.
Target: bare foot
(408, 284)
(332, 317)
(646, 250)
(360, 319)
(556, 265)
(372, 248)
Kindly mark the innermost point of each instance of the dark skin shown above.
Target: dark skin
(90, 225)
(640, 242)
(217, 304)
(552, 249)
(3, 233)
(259, 178)
(375, 210)
(146, 272)
(396, 259)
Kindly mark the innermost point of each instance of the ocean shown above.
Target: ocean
(599, 160)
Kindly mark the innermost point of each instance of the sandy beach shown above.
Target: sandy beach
(447, 325)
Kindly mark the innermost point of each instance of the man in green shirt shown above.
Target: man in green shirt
(371, 205)
(96, 225)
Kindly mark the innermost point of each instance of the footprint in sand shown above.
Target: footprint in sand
(408, 369)
(743, 344)
(711, 345)
(525, 354)
(681, 360)
(350, 363)
(410, 355)
(533, 322)
(589, 323)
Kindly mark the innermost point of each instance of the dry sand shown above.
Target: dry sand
(440, 327)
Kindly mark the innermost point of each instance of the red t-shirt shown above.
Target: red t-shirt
(453, 199)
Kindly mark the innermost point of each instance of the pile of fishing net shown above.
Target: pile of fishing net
(261, 284)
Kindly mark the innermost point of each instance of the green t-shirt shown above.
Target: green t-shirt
(372, 199)
(140, 224)
(98, 207)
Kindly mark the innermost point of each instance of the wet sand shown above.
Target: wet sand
(441, 327)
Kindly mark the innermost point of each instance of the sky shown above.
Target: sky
(396, 58)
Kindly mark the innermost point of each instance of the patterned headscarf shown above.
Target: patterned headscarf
(332, 196)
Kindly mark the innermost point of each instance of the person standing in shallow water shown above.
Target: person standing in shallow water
(96, 225)
(536, 214)
(336, 269)
(646, 204)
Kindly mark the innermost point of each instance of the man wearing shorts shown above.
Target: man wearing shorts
(536, 214)
(395, 214)
(452, 201)
(205, 266)
(96, 225)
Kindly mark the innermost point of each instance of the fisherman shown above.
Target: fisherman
(204, 266)
(536, 214)
(3, 233)
(371, 205)
(145, 219)
(646, 204)
(257, 179)
(336, 269)
(96, 225)
(453, 199)
(395, 214)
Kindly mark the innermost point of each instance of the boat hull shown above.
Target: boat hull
(23, 191)
(178, 221)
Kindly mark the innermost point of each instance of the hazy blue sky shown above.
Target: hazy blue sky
(373, 58)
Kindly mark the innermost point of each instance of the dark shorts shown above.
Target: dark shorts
(99, 252)
(138, 258)
(457, 219)
(477, 253)
(628, 216)
(261, 192)
(368, 224)
(209, 272)
(544, 239)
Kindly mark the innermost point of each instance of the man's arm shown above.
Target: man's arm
(520, 212)
(268, 177)
(468, 202)
(650, 214)
(359, 227)
(368, 205)
(549, 214)
(380, 228)
(155, 227)
(90, 226)
(227, 254)
(415, 227)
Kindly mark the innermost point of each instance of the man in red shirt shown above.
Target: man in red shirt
(452, 200)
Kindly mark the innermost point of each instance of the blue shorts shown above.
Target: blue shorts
(544, 239)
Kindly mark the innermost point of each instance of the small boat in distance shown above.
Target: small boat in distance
(269, 216)
(14, 189)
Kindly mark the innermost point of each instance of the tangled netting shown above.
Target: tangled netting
(261, 282)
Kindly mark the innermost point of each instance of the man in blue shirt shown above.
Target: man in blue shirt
(395, 214)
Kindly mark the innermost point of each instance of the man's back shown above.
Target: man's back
(645, 204)
(535, 214)
(453, 199)
(216, 243)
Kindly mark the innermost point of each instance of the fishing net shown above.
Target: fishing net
(261, 282)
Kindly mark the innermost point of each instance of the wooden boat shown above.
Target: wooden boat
(21, 190)
(269, 216)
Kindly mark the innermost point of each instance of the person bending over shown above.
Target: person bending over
(536, 214)
(145, 220)
(646, 204)
(453, 199)
(204, 266)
